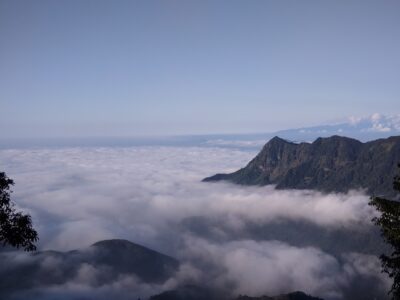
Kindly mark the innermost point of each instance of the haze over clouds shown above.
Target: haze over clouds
(132, 192)
(154, 196)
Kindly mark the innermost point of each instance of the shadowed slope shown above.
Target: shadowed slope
(104, 261)
(334, 164)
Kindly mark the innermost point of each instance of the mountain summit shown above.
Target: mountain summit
(333, 164)
(104, 263)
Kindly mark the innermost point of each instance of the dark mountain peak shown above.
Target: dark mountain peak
(190, 292)
(336, 139)
(277, 143)
(332, 164)
(277, 140)
(120, 243)
(274, 149)
(116, 257)
(125, 253)
(395, 138)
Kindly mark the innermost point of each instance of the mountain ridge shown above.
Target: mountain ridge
(117, 257)
(333, 164)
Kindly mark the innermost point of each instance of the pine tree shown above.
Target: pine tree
(389, 223)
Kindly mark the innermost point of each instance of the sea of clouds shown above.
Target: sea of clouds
(153, 196)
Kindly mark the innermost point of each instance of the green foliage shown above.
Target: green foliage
(15, 227)
(389, 223)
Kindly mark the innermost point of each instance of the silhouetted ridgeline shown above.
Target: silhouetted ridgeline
(117, 257)
(291, 296)
(334, 164)
(197, 293)
(112, 259)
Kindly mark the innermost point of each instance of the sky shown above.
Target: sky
(128, 68)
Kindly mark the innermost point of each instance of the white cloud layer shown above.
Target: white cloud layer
(78, 196)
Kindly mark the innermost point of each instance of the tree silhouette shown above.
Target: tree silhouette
(15, 227)
(389, 222)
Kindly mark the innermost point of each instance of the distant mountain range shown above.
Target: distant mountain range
(334, 164)
(364, 129)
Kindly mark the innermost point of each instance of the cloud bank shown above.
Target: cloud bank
(153, 196)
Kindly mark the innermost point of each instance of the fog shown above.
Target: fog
(154, 196)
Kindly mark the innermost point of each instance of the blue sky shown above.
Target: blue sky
(126, 68)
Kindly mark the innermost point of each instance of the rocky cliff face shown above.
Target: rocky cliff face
(334, 164)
